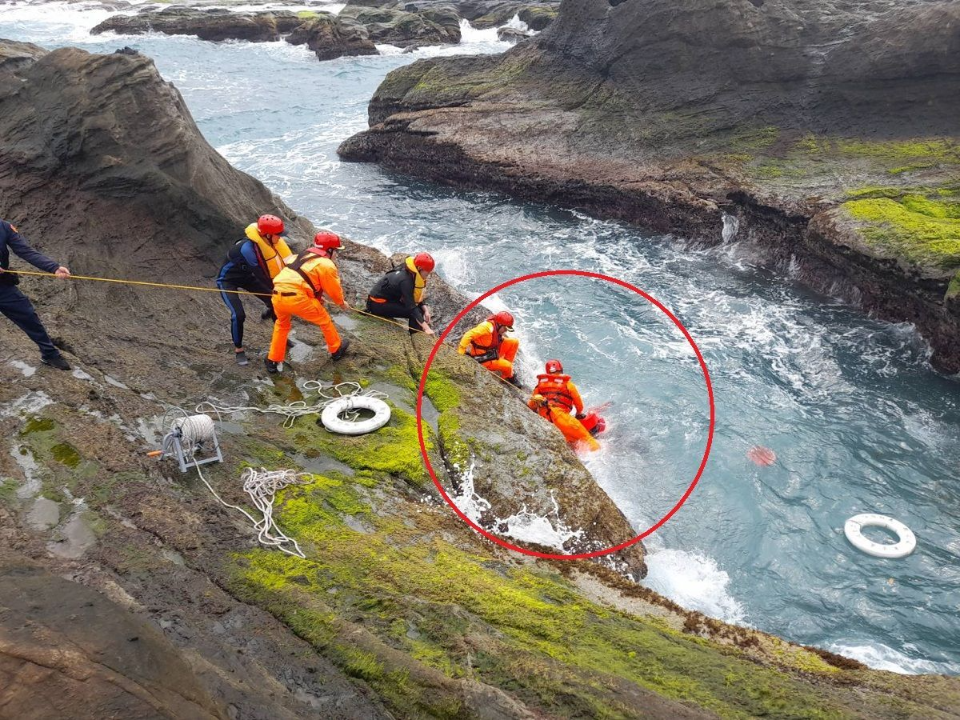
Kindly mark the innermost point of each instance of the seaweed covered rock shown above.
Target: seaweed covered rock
(332, 37)
(207, 24)
(672, 114)
(403, 29)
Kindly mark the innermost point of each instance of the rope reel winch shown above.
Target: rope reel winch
(192, 440)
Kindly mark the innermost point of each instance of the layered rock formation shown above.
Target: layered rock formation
(828, 128)
(399, 610)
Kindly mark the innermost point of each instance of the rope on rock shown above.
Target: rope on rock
(299, 408)
(192, 432)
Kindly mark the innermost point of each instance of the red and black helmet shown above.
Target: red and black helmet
(269, 225)
(503, 319)
(554, 367)
(424, 261)
(327, 240)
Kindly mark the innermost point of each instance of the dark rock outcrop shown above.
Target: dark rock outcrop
(508, 34)
(210, 24)
(405, 29)
(332, 37)
(827, 126)
(14, 55)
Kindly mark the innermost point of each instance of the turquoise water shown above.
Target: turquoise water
(857, 419)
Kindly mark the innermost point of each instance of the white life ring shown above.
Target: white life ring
(906, 540)
(330, 417)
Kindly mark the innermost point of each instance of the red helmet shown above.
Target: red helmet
(554, 367)
(270, 225)
(327, 240)
(424, 261)
(503, 319)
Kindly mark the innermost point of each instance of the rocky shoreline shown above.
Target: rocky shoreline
(829, 137)
(399, 610)
(355, 30)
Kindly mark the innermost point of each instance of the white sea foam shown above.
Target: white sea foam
(523, 526)
(881, 657)
(694, 581)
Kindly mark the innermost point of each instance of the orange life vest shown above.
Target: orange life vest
(494, 338)
(554, 389)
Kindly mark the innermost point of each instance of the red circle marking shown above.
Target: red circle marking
(553, 273)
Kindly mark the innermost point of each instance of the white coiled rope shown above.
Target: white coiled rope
(261, 485)
(299, 408)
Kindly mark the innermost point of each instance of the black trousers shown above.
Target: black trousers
(233, 301)
(394, 310)
(15, 305)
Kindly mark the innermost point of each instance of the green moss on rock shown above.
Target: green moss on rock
(394, 449)
(525, 629)
(38, 424)
(442, 391)
(923, 230)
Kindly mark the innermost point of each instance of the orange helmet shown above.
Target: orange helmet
(327, 240)
(424, 261)
(503, 319)
(270, 224)
(554, 367)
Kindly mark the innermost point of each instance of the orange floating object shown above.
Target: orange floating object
(761, 456)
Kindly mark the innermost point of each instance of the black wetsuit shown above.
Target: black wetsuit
(244, 269)
(392, 297)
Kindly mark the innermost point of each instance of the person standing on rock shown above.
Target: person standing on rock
(487, 345)
(298, 290)
(399, 293)
(554, 398)
(15, 305)
(251, 265)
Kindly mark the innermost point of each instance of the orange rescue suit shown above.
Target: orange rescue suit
(562, 396)
(298, 290)
(484, 339)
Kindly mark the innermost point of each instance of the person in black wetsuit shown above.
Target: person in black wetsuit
(246, 269)
(15, 305)
(400, 293)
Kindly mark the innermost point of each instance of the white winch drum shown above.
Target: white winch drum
(906, 540)
(330, 417)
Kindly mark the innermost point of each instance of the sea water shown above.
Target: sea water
(857, 419)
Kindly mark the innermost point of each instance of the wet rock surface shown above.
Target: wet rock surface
(67, 651)
(331, 37)
(407, 29)
(827, 128)
(398, 609)
(207, 24)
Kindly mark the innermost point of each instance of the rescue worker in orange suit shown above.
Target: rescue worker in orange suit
(251, 265)
(399, 293)
(554, 398)
(298, 290)
(487, 345)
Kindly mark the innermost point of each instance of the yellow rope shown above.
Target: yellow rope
(170, 286)
(134, 282)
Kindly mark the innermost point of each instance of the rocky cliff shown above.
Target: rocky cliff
(399, 609)
(828, 128)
